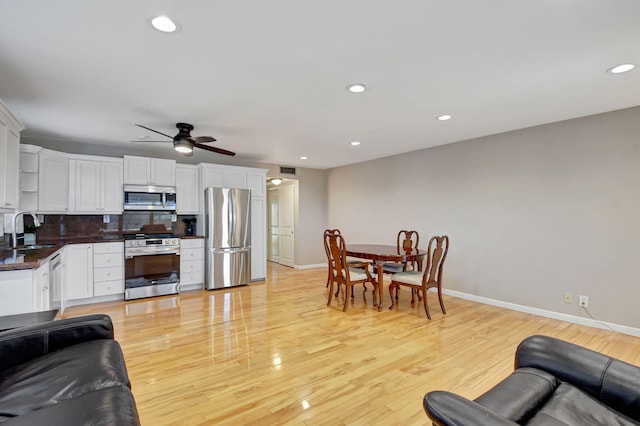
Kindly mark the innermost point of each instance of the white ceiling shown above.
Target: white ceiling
(267, 78)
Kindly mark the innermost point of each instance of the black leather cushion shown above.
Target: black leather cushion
(107, 407)
(60, 375)
(25, 343)
(571, 406)
(521, 394)
(612, 381)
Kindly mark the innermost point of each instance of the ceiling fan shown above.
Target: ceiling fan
(184, 143)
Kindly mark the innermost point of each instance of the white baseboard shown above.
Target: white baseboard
(545, 313)
(311, 266)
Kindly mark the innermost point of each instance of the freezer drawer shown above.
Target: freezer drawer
(227, 267)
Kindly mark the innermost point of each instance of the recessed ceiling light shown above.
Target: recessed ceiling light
(356, 88)
(164, 24)
(303, 158)
(444, 117)
(355, 143)
(619, 69)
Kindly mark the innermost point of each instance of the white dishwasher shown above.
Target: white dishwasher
(56, 290)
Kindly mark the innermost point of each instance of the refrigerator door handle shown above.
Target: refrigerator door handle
(231, 250)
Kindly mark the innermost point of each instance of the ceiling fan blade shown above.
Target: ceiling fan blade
(214, 149)
(155, 131)
(202, 139)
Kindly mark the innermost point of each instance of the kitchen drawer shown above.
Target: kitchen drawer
(108, 287)
(107, 260)
(191, 254)
(102, 248)
(108, 274)
(192, 243)
(191, 266)
(188, 278)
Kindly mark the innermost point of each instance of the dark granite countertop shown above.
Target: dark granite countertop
(11, 260)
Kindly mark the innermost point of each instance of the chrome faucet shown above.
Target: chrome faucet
(14, 235)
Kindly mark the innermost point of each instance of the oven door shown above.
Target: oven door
(151, 275)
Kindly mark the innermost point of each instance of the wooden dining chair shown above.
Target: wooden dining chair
(354, 263)
(431, 277)
(342, 273)
(406, 241)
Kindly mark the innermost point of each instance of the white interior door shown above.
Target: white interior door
(286, 224)
(274, 225)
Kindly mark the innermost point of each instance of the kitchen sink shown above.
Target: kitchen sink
(35, 247)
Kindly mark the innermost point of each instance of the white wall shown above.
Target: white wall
(530, 213)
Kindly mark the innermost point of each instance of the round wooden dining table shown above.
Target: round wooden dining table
(382, 254)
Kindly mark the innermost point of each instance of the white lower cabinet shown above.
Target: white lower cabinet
(191, 262)
(78, 271)
(108, 269)
(16, 292)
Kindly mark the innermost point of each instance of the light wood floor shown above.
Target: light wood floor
(273, 353)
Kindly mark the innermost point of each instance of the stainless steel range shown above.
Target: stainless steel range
(152, 265)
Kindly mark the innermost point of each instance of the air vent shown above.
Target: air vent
(287, 170)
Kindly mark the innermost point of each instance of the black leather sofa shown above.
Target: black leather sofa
(66, 372)
(554, 383)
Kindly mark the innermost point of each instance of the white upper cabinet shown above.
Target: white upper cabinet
(257, 183)
(96, 185)
(10, 129)
(187, 192)
(149, 171)
(53, 182)
(218, 176)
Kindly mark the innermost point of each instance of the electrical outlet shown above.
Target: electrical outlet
(584, 301)
(568, 297)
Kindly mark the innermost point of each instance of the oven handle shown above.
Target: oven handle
(132, 252)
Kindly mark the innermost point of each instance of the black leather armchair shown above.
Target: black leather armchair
(66, 372)
(554, 383)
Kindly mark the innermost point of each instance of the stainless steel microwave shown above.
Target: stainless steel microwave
(143, 197)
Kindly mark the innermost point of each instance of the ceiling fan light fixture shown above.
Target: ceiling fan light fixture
(164, 24)
(183, 146)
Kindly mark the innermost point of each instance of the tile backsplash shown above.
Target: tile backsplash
(73, 226)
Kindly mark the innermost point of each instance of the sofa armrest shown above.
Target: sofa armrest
(448, 409)
(614, 382)
(26, 343)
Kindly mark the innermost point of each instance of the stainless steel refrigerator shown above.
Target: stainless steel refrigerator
(228, 237)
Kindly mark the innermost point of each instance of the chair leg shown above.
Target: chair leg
(444, 311)
(330, 294)
(426, 307)
(391, 286)
(346, 297)
(413, 294)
